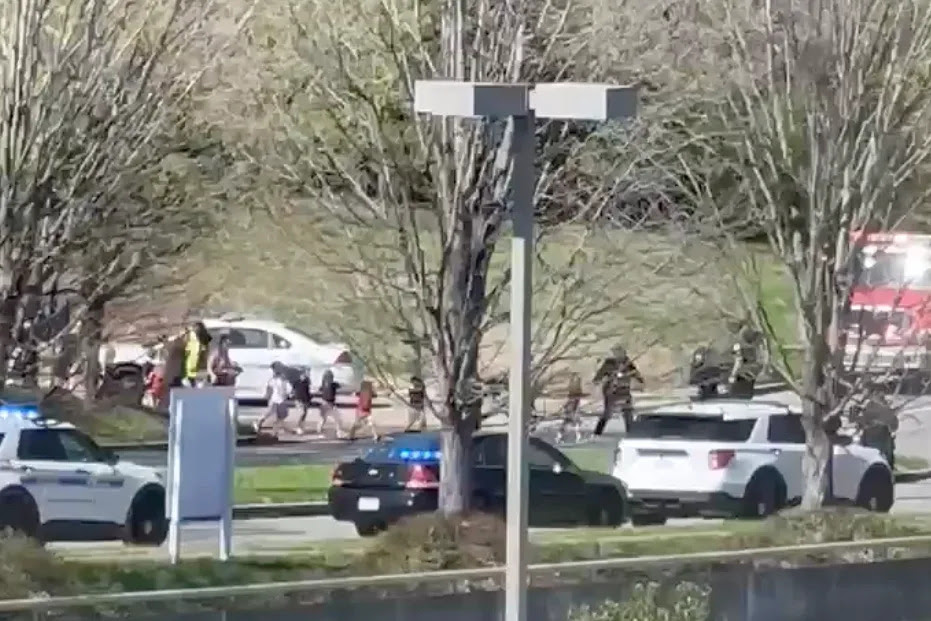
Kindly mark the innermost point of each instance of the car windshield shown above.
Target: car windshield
(689, 427)
(909, 267)
(404, 449)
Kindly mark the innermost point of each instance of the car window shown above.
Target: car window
(538, 458)
(786, 429)
(492, 452)
(41, 444)
(280, 342)
(685, 427)
(245, 338)
(79, 447)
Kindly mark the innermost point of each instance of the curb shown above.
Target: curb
(281, 510)
(162, 445)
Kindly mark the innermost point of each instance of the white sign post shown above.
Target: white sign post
(201, 451)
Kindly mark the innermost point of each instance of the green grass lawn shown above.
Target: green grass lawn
(282, 484)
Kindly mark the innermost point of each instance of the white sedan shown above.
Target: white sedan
(256, 343)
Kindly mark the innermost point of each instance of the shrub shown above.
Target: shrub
(433, 542)
(649, 601)
(28, 570)
(827, 525)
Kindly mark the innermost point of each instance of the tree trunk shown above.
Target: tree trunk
(816, 460)
(91, 338)
(456, 466)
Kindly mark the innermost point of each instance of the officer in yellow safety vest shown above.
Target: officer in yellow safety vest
(196, 347)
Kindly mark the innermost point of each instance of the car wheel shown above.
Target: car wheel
(648, 519)
(606, 510)
(19, 513)
(369, 529)
(876, 491)
(762, 497)
(147, 524)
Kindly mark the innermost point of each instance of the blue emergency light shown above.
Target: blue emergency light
(427, 456)
(26, 412)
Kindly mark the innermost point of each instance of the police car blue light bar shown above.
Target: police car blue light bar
(419, 455)
(19, 411)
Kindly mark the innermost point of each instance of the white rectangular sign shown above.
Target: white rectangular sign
(201, 450)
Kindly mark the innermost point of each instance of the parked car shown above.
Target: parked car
(727, 458)
(400, 477)
(57, 484)
(256, 343)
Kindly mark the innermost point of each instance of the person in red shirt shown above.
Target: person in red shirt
(155, 386)
(364, 403)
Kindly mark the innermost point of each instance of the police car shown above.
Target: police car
(728, 458)
(57, 484)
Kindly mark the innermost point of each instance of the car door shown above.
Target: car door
(489, 476)
(557, 491)
(106, 484)
(251, 349)
(64, 486)
(786, 440)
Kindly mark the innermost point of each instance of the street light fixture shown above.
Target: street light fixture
(522, 103)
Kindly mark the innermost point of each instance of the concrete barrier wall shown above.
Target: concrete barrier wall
(881, 591)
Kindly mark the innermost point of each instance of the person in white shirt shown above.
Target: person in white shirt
(278, 393)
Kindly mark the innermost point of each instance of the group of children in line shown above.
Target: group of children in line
(288, 383)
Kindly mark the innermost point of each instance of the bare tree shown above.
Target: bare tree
(89, 90)
(823, 132)
(418, 205)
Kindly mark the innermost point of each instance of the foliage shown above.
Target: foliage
(650, 602)
(27, 570)
(435, 542)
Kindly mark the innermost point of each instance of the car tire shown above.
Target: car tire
(648, 519)
(607, 509)
(146, 524)
(763, 496)
(876, 491)
(370, 529)
(19, 513)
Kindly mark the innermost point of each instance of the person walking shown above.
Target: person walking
(328, 390)
(416, 405)
(223, 371)
(615, 375)
(365, 401)
(301, 393)
(571, 415)
(196, 348)
(277, 392)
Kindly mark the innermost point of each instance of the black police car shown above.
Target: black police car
(401, 477)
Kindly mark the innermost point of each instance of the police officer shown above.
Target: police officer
(878, 423)
(416, 404)
(615, 375)
(743, 372)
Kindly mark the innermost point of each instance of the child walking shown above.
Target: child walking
(364, 403)
(416, 404)
(328, 389)
(277, 392)
(570, 409)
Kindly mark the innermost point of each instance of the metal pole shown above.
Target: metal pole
(174, 479)
(522, 185)
(226, 520)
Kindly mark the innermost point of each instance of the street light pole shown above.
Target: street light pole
(522, 104)
(523, 183)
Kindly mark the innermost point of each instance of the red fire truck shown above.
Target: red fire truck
(889, 324)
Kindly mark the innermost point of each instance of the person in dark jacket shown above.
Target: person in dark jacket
(615, 375)
(416, 405)
(328, 390)
(299, 379)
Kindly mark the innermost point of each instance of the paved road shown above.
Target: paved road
(279, 536)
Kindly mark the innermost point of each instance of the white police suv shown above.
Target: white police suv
(726, 458)
(57, 484)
